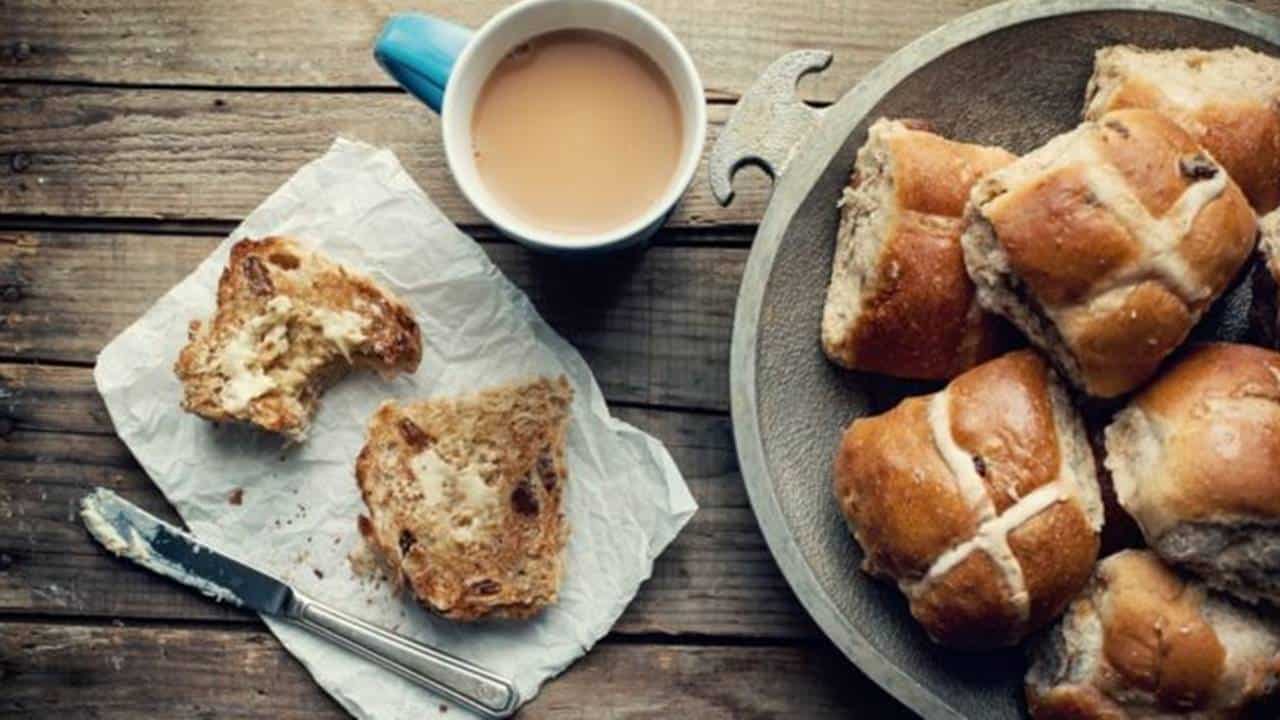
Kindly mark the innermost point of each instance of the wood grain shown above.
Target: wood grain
(78, 671)
(51, 399)
(716, 579)
(166, 154)
(655, 327)
(327, 43)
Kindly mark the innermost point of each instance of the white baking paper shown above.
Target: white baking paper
(626, 500)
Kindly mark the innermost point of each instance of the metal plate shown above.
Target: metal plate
(1014, 75)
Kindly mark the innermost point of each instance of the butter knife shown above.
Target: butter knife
(128, 531)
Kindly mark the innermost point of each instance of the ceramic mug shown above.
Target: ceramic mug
(445, 65)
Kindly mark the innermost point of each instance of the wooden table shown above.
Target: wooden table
(133, 136)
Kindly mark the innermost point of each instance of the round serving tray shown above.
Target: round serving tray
(1013, 74)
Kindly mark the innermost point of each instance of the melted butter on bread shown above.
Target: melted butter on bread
(249, 355)
(465, 489)
(460, 494)
(432, 474)
(242, 362)
(343, 328)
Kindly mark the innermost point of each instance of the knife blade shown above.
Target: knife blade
(130, 532)
(134, 534)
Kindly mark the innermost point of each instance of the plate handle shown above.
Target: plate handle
(768, 124)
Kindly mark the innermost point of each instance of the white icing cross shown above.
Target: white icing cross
(1160, 238)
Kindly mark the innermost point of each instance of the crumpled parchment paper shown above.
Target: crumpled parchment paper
(297, 509)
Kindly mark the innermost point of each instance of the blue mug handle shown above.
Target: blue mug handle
(419, 52)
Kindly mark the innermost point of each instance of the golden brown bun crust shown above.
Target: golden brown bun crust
(1002, 415)
(1088, 246)
(919, 324)
(1084, 224)
(908, 507)
(1154, 635)
(1235, 118)
(1057, 550)
(918, 317)
(1221, 407)
(1143, 642)
(1119, 347)
(969, 607)
(465, 497)
(934, 174)
(902, 526)
(303, 362)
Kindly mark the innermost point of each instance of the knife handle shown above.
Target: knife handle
(455, 678)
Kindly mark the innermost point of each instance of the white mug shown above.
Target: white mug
(445, 66)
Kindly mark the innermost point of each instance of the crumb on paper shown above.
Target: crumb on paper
(319, 574)
(236, 497)
(363, 563)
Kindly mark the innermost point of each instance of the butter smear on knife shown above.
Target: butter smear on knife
(138, 548)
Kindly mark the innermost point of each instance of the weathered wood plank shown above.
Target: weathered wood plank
(717, 578)
(120, 672)
(130, 672)
(655, 327)
(50, 398)
(216, 155)
(328, 43)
